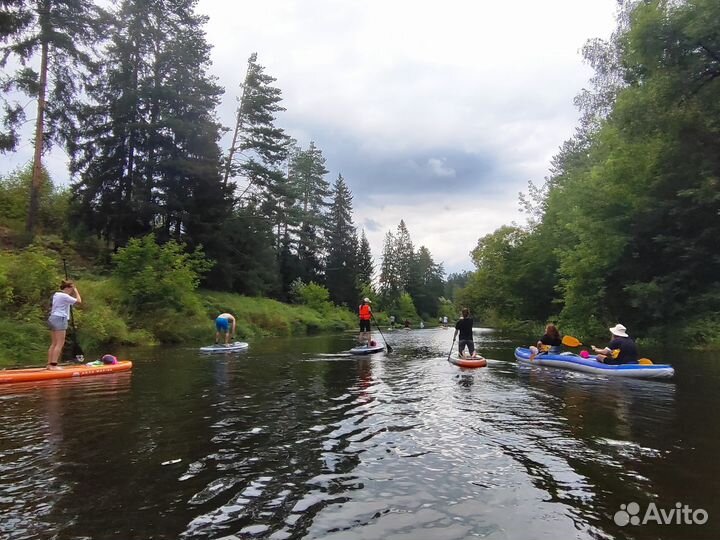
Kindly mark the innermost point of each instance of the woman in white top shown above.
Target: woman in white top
(58, 320)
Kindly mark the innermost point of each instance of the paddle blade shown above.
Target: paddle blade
(645, 362)
(388, 347)
(570, 341)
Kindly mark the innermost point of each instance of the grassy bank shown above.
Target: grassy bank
(103, 323)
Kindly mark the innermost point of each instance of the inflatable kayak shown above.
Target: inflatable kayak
(68, 372)
(364, 349)
(237, 346)
(468, 362)
(590, 365)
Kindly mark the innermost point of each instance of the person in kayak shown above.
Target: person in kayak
(464, 328)
(58, 320)
(620, 350)
(222, 326)
(365, 314)
(549, 343)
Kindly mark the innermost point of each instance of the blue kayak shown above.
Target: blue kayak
(591, 365)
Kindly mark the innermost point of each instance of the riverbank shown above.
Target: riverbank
(103, 323)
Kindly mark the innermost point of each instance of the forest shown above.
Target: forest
(619, 231)
(128, 94)
(623, 227)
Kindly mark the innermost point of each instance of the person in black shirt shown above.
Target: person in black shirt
(549, 343)
(464, 327)
(551, 340)
(620, 350)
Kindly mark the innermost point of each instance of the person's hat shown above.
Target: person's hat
(619, 330)
(366, 299)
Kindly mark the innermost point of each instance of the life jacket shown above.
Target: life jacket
(365, 312)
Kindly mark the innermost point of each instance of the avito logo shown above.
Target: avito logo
(682, 514)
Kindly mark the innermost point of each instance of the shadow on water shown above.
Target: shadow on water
(294, 438)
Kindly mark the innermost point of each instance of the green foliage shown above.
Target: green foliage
(312, 295)
(15, 202)
(153, 276)
(27, 281)
(405, 308)
(258, 317)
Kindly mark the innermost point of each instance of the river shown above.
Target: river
(288, 440)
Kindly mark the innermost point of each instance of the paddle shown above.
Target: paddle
(452, 346)
(78, 354)
(387, 345)
(570, 341)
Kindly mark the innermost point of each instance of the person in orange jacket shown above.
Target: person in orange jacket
(365, 314)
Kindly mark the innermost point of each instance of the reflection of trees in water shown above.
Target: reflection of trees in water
(280, 452)
(617, 435)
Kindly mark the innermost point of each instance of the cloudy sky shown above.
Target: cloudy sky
(436, 113)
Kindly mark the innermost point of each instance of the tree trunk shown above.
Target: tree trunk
(36, 182)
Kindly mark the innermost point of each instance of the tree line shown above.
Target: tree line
(624, 227)
(127, 92)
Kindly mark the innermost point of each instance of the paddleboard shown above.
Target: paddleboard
(364, 349)
(70, 372)
(237, 346)
(468, 362)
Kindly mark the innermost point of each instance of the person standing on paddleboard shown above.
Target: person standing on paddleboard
(365, 314)
(222, 326)
(464, 327)
(58, 319)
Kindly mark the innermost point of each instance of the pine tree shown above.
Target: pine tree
(60, 32)
(148, 156)
(341, 272)
(426, 283)
(307, 180)
(404, 253)
(390, 281)
(365, 264)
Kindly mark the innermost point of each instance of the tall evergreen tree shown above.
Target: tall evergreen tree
(365, 264)
(149, 156)
(341, 271)
(405, 253)
(426, 282)
(307, 178)
(390, 282)
(58, 35)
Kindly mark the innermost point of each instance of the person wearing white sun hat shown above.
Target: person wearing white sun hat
(620, 350)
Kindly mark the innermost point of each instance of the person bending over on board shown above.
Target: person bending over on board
(365, 314)
(222, 326)
(58, 320)
(548, 344)
(464, 327)
(620, 350)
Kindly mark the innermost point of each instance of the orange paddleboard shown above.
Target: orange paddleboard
(67, 372)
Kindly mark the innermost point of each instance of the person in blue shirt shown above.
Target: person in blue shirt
(620, 350)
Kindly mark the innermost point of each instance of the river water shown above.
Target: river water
(288, 440)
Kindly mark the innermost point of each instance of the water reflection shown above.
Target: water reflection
(285, 442)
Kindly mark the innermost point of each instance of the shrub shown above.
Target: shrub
(312, 295)
(153, 276)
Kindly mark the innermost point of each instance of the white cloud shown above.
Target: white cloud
(382, 79)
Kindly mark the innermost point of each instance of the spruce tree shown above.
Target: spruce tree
(365, 264)
(341, 272)
(58, 34)
(307, 180)
(148, 156)
(390, 281)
